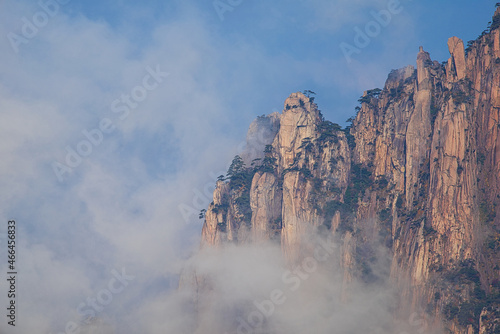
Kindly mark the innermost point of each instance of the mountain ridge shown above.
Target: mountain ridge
(417, 171)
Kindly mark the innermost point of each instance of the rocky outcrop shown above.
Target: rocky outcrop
(305, 165)
(260, 133)
(456, 67)
(416, 176)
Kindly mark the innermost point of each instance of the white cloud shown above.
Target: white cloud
(111, 212)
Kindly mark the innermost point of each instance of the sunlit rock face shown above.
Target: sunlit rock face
(416, 177)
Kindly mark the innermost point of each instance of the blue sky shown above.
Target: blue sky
(129, 202)
(309, 32)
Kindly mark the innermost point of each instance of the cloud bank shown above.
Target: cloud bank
(159, 148)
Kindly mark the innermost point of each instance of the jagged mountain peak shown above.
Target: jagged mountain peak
(416, 174)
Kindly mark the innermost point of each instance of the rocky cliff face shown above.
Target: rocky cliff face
(417, 172)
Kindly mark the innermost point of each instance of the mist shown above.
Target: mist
(117, 119)
(251, 289)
